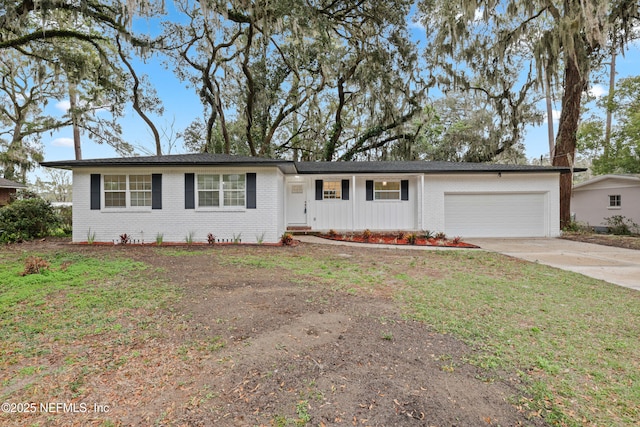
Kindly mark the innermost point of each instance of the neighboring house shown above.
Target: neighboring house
(606, 196)
(7, 190)
(259, 199)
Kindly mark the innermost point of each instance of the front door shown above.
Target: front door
(296, 204)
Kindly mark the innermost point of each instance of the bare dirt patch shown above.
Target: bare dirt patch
(628, 242)
(250, 345)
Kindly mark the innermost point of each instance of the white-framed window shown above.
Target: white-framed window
(221, 190)
(140, 190)
(615, 201)
(115, 191)
(121, 191)
(332, 190)
(386, 190)
(209, 190)
(233, 189)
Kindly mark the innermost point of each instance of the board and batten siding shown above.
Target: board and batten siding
(173, 221)
(494, 195)
(358, 213)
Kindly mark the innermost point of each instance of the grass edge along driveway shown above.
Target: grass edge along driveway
(571, 338)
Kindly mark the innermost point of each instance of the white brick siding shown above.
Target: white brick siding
(173, 221)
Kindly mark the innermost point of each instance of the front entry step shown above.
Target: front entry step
(298, 228)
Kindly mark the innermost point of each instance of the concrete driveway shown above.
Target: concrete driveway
(614, 265)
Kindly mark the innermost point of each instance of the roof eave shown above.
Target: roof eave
(285, 166)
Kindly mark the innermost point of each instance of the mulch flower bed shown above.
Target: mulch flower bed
(398, 239)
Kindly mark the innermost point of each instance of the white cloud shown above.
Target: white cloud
(556, 116)
(415, 20)
(62, 142)
(63, 105)
(66, 105)
(598, 91)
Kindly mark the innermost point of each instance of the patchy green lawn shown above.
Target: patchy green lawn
(96, 317)
(573, 339)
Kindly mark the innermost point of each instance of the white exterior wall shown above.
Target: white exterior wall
(590, 204)
(357, 213)
(437, 186)
(387, 214)
(173, 220)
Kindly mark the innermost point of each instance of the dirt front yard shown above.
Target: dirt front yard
(247, 343)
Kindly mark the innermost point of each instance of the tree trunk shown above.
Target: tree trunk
(574, 85)
(547, 90)
(73, 111)
(136, 99)
(612, 88)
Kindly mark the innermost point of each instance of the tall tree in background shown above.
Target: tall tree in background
(621, 154)
(26, 24)
(74, 42)
(97, 93)
(566, 35)
(26, 86)
(333, 80)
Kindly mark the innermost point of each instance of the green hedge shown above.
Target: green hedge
(27, 219)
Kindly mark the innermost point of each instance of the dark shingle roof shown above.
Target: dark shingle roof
(416, 167)
(5, 183)
(288, 166)
(194, 159)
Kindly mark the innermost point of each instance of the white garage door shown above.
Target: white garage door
(495, 215)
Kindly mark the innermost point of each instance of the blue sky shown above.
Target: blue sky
(182, 106)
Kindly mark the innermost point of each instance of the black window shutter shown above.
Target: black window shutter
(251, 191)
(369, 190)
(345, 189)
(404, 189)
(189, 191)
(319, 185)
(156, 191)
(95, 191)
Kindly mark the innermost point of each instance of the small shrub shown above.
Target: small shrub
(211, 239)
(65, 218)
(456, 240)
(159, 238)
(34, 265)
(189, 238)
(427, 234)
(287, 239)
(333, 234)
(578, 228)
(260, 238)
(620, 225)
(91, 236)
(27, 219)
(440, 236)
(411, 238)
(237, 238)
(400, 235)
(124, 239)
(366, 234)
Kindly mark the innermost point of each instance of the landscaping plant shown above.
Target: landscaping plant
(27, 219)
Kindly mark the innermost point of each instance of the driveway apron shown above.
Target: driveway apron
(615, 265)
